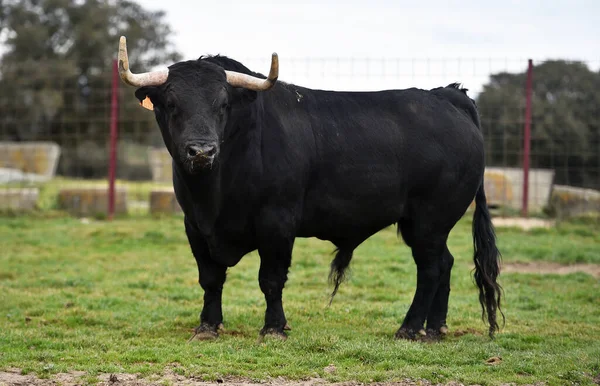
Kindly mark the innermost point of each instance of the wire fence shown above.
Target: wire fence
(55, 125)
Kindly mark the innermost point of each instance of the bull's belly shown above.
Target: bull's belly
(341, 217)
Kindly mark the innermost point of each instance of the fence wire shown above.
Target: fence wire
(54, 132)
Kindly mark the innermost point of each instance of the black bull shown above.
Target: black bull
(254, 170)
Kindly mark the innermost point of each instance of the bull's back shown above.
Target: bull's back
(374, 151)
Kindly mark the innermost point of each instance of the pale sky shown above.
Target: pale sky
(376, 44)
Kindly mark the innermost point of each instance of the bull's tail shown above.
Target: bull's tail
(339, 266)
(487, 262)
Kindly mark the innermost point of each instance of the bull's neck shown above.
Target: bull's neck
(200, 195)
(234, 176)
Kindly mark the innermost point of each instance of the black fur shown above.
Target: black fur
(340, 166)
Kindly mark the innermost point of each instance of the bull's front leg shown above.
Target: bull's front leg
(211, 277)
(275, 261)
(275, 250)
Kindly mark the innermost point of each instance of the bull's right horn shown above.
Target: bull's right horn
(238, 79)
(154, 78)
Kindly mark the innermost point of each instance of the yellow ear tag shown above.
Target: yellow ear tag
(147, 104)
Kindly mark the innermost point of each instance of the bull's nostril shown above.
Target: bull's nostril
(192, 152)
(211, 151)
(201, 151)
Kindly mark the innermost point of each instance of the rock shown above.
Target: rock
(504, 188)
(18, 199)
(33, 158)
(15, 175)
(330, 369)
(164, 201)
(568, 201)
(160, 164)
(540, 186)
(498, 189)
(91, 201)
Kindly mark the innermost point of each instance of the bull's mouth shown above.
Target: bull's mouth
(200, 163)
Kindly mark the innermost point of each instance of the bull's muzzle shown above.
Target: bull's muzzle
(200, 156)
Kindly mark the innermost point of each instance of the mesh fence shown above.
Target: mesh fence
(55, 126)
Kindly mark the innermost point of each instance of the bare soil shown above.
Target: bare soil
(13, 377)
(545, 268)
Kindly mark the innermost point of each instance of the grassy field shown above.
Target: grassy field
(123, 297)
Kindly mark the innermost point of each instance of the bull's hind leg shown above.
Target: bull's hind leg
(211, 277)
(427, 250)
(436, 319)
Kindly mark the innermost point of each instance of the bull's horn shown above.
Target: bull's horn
(154, 78)
(238, 79)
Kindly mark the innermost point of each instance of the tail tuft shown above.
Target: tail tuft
(338, 271)
(487, 262)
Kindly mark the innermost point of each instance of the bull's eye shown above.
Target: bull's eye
(223, 109)
(171, 107)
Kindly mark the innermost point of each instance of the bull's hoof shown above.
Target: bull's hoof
(272, 332)
(205, 331)
(435, 334)
(409, 334)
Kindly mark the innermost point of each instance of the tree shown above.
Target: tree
(55, 74)
(565, 120)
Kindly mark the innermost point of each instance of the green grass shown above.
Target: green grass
(123, 297)
(577, 241)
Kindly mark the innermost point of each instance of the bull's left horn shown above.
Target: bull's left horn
(238, 79)
(154, 78)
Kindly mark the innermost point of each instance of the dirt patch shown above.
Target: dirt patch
(468, 331)
(546, 268)
(523, 223)
(13, 377)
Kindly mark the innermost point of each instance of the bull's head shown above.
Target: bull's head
(192, 102)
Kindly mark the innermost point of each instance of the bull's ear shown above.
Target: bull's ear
(147, 104)
(145, 96)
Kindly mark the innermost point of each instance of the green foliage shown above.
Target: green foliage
(565, 127)
(123, 297)
(56, 72)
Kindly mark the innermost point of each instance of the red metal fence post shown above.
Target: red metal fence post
(112, 162)
(527, 139)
